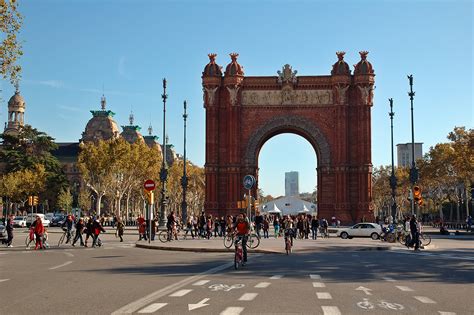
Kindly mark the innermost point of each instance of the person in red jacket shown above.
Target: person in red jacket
(39, 231)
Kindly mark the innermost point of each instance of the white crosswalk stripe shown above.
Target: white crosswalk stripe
(232, 310)
(276, 277)
(331, 310)
(152, 308)
(403, 288)
(315, 277)
(180, 293)
(201, 282)
(318, 285)
(262, 285)
(424, 299)
(248, 297)
(324, 295)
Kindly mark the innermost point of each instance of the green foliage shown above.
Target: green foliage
(10, 48)
(64, 201)
(29, 149)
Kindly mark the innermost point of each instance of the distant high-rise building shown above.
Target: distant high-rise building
(291, 184)
(404, 156)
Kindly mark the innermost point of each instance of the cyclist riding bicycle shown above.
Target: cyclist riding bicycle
(67, 227)
(242, 230)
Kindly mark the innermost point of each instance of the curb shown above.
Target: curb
(203, 249)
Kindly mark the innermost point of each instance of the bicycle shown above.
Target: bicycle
(30, 240)
(165, 236)
(253, 241)
(425, 239)
(65, 234)
(228, 240)
(239, 253)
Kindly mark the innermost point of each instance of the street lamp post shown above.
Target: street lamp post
(393, 178)
(184, 179)
(164, 165)
(413, 169)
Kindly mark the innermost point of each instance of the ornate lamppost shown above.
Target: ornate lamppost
(164, 164)
(393, 178)
(184, 179)
(413, 169)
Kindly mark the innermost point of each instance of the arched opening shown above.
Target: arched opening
(287, 174)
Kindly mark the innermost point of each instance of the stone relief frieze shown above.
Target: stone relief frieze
(366, 93)
(211, 92)
(233, 91)
(287, 97)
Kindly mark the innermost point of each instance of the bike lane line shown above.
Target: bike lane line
(424, 299)
(3, 280)
(152, 308)
(134, 306)
(248, 297)
(201, 282)
(232, 310)
(404, 288)
(262, 285)
(331, 310)
(324, 295)
(60, 266)
(180, 293)
(275, 277)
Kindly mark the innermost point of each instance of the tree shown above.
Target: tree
(65, 199)
(10, 48)
(29, 148)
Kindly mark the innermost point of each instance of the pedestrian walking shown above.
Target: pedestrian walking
(258, 222)
(314, 227)
(276, 227)
(120, 229)
(79, 230)
(89, 230)
(469, 223)
(97, 228)
(9, 228)
(415, 232)
(266, 227)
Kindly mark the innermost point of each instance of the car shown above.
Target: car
(19, 221)
(372, 230)
(3, 234)
(57, 220)
(31, 217)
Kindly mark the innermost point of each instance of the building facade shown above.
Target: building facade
(291, 184)
(404, 153)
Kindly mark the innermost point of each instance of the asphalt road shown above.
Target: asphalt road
(119, 278)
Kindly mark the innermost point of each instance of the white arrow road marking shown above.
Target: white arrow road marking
(3, 280)
(134, 306)
(262, 285)
(152, 308)
(405, 289)
(198, 304)
(248, 297)
(62, 265)
(424, 299)
(324, 295)
(232, 310)
(331, 310)
(315, 277)
(366, 290)
(201, 282)
(276, 277)
(318, 285)
(180, 293)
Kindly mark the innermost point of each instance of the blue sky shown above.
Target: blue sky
(72, 49)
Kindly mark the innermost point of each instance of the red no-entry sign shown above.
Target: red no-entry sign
(149, 185)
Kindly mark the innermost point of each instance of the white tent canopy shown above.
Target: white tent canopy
(275, 209)
(289, 205)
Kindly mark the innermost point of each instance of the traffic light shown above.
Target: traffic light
(30, 201)
(35, 200)
(417, 195)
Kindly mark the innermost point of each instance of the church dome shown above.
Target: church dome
(101, 126)
(363, 67)
(16, 102)
(340, 67)
(233, 68)
(212, 69)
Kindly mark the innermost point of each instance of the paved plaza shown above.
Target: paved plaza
(326, 276)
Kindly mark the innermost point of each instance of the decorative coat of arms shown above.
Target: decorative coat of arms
(287, 75)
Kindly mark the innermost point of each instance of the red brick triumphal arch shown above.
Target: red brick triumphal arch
(332, 112)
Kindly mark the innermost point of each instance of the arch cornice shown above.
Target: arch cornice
(294, 124)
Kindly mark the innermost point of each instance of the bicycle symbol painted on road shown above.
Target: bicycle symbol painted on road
(367, 305)
(225, 287)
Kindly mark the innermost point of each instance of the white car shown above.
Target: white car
(19, 221)
(372, 230)
(31, 217)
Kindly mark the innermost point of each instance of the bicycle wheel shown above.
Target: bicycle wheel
(425, 239)
(253, 241)
(61, 239)
(228, 241)
(163, 236)
(29, 241)
(391, 238)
